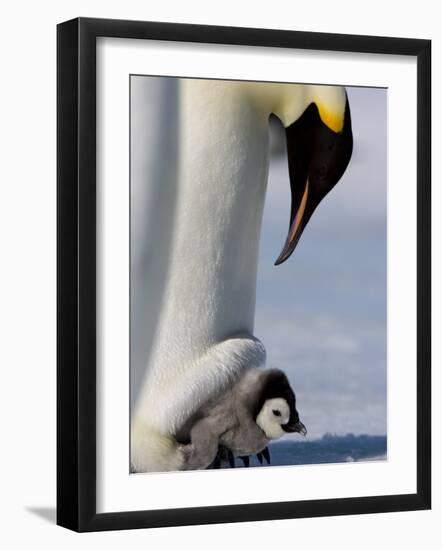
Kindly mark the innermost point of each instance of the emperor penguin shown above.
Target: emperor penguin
(202, 338)
(258, 408)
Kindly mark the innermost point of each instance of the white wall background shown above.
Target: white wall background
(27, 289)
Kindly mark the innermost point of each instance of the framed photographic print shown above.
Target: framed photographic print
(243, 274)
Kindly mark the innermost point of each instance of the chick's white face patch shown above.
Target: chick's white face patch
(274, 413)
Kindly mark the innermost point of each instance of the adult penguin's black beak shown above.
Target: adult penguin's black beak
(317, 156)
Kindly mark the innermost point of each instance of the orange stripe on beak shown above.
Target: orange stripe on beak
(299, 214)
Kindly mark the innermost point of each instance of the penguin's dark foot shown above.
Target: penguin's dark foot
(223, 455)
(246, 460)
(216, 464)
(231, 458)
(264, 454)
(219, 458)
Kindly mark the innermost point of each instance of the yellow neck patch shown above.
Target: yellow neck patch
(333, 119)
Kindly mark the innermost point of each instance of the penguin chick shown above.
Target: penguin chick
(259, 407)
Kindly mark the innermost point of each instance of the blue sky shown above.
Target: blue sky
(322, 314)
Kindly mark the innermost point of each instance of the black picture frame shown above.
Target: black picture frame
(76, 273)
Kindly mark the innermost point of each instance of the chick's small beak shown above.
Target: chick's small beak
(298, 427)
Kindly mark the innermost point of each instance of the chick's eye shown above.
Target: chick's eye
(276, 412)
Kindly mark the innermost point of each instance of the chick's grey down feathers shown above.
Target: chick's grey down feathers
(230, 419)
